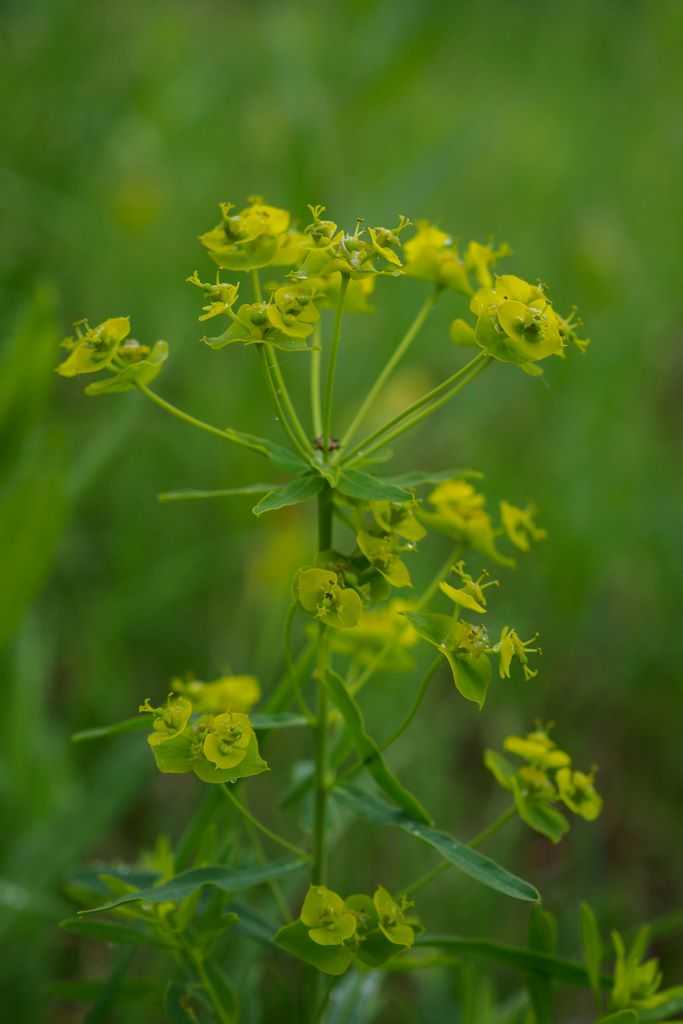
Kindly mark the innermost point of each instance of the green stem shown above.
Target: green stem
(271, 379)
(273, 836)
(223, 1015)
(256, 285)
(319, 870)
(332, 367)
(316, 408)
(325, 519)
(439, 578)
(226, 435)
(480, 838)
(391, 364)
(288, 403)
(424, 686)
(419, 410)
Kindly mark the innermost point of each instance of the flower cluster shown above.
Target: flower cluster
(545, 778)
(219, 746)
(637, 982)
(516, 323)
(108, 347)
(373, 927)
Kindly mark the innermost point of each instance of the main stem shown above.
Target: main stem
(319, 869)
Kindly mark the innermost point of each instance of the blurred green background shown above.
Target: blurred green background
(553, 126)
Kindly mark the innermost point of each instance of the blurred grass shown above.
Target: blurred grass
(555, 127)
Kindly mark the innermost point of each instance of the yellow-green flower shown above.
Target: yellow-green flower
(520, 526)
(432, 256)
(578, 792)
(333, 250)
(329, 921)
(320, 593)
(93, 348)
(227, 739)
(399, 519)
(460, 513)
(227, 693)
(381, 553)
(510, 646)
(637, 981)
(471, 594)
(292, 310)
(395, 924)
(539, 749)
(169, 721)
(223, 296)
(516, 323)
(249, 239)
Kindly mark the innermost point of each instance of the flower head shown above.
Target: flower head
(320, 593)
(471, 594)
(329, 921)
(93, 348)
(520, 526)
(227, 738)
(394, 921)
(248, 239)
(510, 646)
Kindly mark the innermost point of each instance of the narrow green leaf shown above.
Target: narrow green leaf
(228, 492)
(277, 720)
(293, 493)
(418, 478)
(277, 453)
(227, 879)
(100, 732)
(370, 752)
(108, 931)
(565, 972)
(593, 950)
(365, 487)
(542, 939)
(674, 1004)
(620, 1017)
(333, 960)
(473, 864)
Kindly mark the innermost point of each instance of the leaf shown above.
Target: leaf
(565, 972)
(277, 720)
(621, 1017)
(418, 478)
(228, 492)
(333, 960)
(539, 814)
(364, 487)
(473, 864)
(293, 493)
(277, 453)
(108, 931)
(542, 939)
(593, 950)
(227, 879)
(370, 752)
(674, 1004)
(100, 732)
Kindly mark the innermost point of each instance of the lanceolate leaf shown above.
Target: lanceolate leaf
(277, 453)
(184, 884)
(593, 951)
(277, 720)
(565, 972)
(418, 479)
(228, 492)
(370, 752)
(100, 732)
(300, 489)
(365, 487)
(482, 869)
(109, 931)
